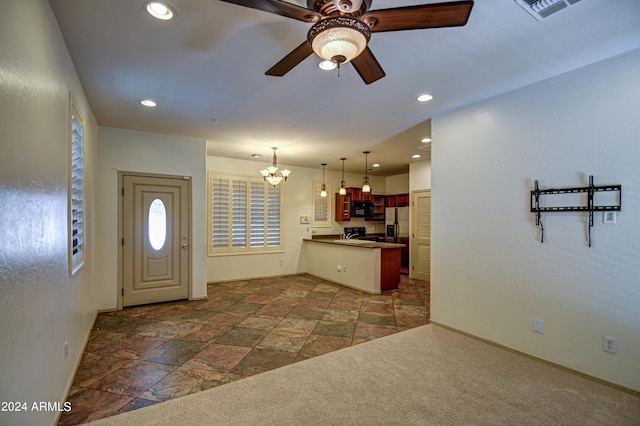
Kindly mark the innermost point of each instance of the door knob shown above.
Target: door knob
(184, 246)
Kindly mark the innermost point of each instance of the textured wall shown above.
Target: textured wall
(490, 274)
(40, 306)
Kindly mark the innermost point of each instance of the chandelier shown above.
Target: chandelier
(271, 173)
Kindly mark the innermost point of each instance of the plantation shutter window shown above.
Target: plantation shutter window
(321, 205)
(76, 213)
(245, 215)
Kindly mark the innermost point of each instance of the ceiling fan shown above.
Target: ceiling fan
(342, 28)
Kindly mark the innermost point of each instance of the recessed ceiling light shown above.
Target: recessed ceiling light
(375, 165)
(159, 10)
(416, 156)
(148, 103)
(426, 140)
(328, 65)
(424, 98)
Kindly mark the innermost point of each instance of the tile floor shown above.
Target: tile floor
(144, 355)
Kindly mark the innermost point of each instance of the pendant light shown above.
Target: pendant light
(365, 181)
(271, 173)
(343, 190)
(323, 188)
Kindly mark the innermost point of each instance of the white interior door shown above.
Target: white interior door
(421, 233)
(155, 239)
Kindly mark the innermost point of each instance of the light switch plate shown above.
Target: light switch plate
(305, 220)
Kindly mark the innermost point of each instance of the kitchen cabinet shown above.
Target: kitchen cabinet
(397, 200)
(378, 208)
(365, 265)
(357, 194)
(343, 208)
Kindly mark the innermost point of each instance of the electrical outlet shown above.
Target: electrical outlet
(538, 326)
(609, 344)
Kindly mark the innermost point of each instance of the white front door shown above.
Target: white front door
(155, 239)
(421, 233)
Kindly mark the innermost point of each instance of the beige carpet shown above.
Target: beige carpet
(427, 375)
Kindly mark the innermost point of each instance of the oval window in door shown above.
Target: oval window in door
(157, 224)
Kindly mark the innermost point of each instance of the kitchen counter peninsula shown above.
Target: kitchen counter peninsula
(365, 265)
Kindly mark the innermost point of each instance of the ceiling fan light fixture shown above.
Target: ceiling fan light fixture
(339, 39)
(328, 65)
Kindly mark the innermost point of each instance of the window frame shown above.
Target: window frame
(76, 222)
(243, 230)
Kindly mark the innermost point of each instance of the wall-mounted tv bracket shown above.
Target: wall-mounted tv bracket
(590, 207)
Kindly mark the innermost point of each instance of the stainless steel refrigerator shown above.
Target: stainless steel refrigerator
(397, 231)
(397, 221)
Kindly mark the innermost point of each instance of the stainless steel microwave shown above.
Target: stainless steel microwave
(361, 209)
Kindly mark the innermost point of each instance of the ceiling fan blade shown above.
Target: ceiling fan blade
(367, 66)
(437, 15)
(280, 8)
(287, 63)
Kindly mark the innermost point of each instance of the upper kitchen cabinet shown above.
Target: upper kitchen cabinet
(343, 207)
(397, 200)
(378, 208)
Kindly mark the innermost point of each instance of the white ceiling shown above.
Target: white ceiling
(205, 69)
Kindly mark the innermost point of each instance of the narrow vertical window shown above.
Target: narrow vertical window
(76, 192)
(321, 205)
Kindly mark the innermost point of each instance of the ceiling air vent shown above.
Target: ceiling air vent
(541, 9)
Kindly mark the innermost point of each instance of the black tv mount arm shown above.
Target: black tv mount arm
(590, 207)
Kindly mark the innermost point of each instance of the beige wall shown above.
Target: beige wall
(420, 175)
(142, 152)
(40, 306)
(490, 274)
(398, 184)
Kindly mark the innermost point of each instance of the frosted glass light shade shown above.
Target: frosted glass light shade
(339, 42)
(339, 37)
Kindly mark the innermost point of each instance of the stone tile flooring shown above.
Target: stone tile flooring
(144, 355)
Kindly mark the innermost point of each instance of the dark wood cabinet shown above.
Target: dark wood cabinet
(397, 200)
(343, 207)
(355, 193)
(378, 208)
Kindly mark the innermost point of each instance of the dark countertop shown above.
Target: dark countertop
(354, 243)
